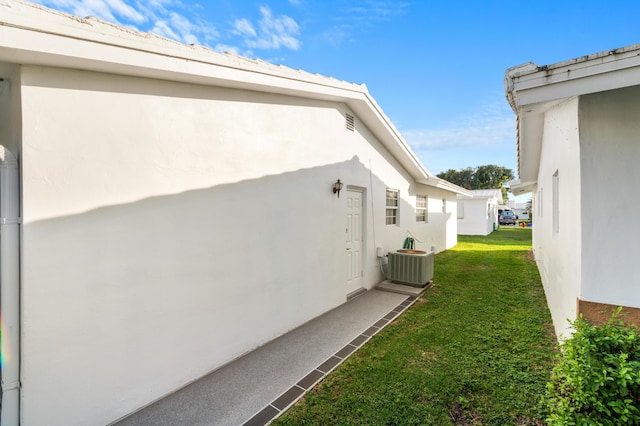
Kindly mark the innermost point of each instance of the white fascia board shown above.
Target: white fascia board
(66, 41)
(475, 197)
(531, 90)
(370, 113)
(91, 42)
(436, 182)
(529, 84)
(31, 46)
(480, 194)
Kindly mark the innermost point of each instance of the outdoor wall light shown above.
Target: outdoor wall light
(337, 186)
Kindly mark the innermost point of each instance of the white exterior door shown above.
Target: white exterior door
(354, 241)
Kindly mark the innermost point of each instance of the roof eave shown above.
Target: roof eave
(436, 182)
(62, 40)
(518, 188)
(532, 89)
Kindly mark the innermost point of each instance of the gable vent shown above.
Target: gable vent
(350, 122)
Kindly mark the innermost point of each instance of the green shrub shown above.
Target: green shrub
(597, 381)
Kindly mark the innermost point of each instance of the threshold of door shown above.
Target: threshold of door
(356, 293)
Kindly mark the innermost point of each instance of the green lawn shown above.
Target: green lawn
(476, 349)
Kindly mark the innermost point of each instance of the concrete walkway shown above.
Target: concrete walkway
(256, 388)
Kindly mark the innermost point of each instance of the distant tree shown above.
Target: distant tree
(488, 176)
(462, 177)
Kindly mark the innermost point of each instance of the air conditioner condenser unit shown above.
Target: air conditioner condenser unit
(412, 267)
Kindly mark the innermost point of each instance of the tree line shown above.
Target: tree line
(488, 176)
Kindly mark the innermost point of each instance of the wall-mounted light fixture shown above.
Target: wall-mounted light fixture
(337, 186)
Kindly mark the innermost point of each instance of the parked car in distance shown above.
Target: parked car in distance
(507, 217)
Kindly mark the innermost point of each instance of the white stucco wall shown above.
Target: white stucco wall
(609, 129)
(169, 228)
(450, 216)
(476, 221)
(558, 253)
(437, 232)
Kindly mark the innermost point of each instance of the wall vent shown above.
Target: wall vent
(350, 122)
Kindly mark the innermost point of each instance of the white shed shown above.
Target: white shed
(177, 209)
(478, 213)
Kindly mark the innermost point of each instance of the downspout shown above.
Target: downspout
(10, 286)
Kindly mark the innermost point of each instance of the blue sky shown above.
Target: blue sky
(435, 67)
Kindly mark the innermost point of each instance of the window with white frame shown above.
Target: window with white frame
(392, 206)
(460, 210)
(421, 208)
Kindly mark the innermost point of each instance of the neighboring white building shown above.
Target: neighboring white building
(478, 213)
(578, 123)
(520, 209)
(173, 209)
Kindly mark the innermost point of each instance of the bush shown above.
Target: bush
(597, 380)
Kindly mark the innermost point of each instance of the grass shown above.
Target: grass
(476, 349)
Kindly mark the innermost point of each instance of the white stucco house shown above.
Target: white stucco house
(520, 209)
(578, 127)
(478, 212)
(167, 209)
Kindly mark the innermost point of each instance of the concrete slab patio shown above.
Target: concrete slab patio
(256, 388)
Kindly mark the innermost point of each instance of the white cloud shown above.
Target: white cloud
(378, 10)
(243, 27)
(336, 35)
(103, 9)
(273, 32)
(488, 134)
(162, 28)
(220, 47)
(179, 21)
(124, 10)
(493, 128)
(363, 15)
(168, 18)
(191, 30)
